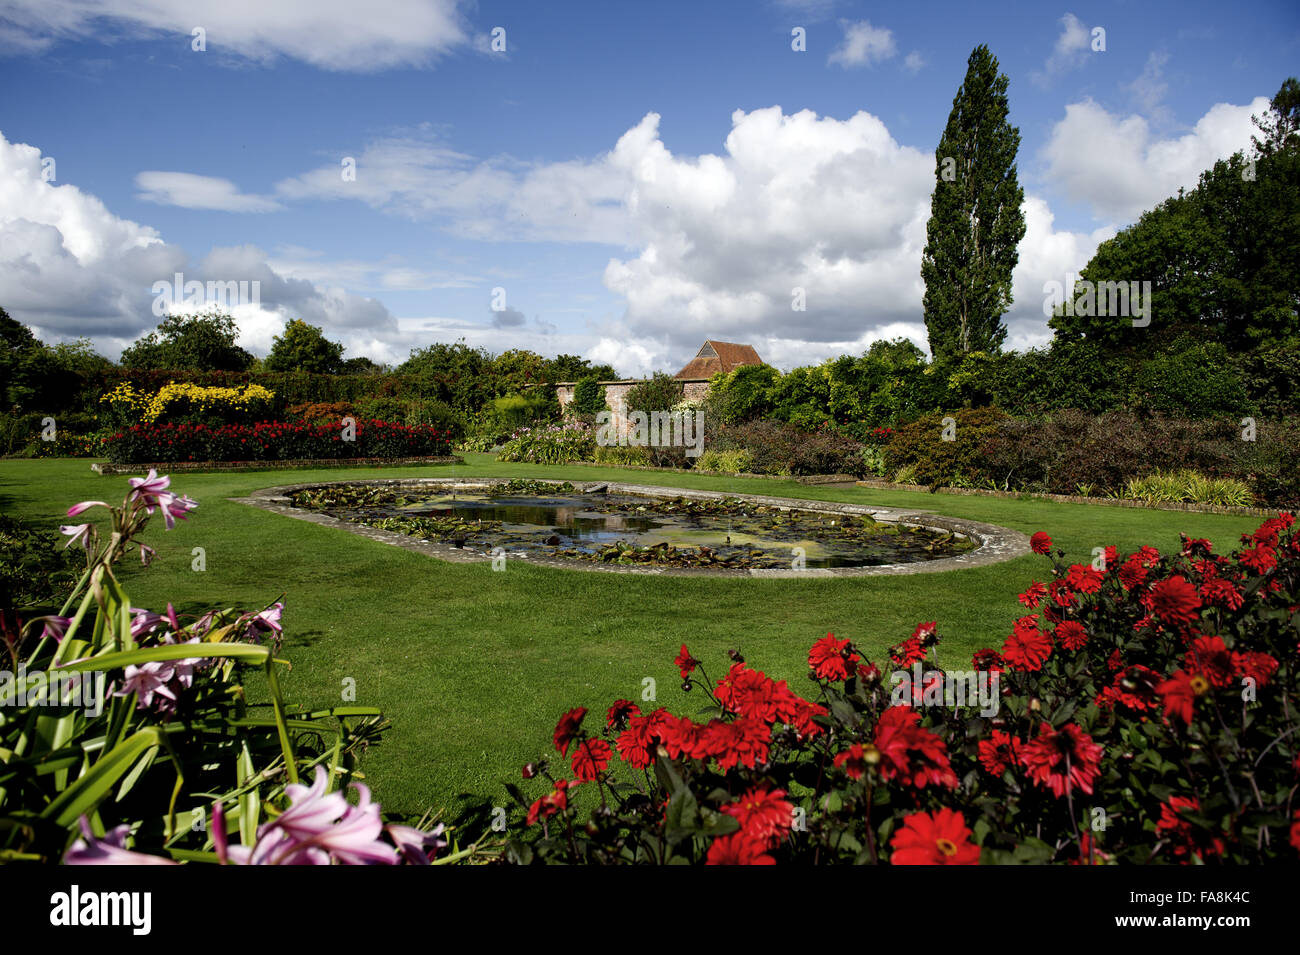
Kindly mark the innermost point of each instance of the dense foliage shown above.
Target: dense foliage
(272, 441)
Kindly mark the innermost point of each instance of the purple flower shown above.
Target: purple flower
(149, 680)
(55, 627)
(110, 850)
(174, 506)
(76, 532)
(319, 828)
(148, 489)
(268, 621)
(76, 509)
(144, 621)
(416, 846)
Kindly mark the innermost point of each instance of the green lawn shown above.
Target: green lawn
(473, 666)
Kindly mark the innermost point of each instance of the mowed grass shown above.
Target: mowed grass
(474, 666)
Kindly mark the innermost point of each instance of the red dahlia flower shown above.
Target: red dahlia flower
(830, 659)
(551, 804)
(590, 758)
(763, 814)
(567, 728)
(1031, 597)
(1180, 692)
(939, 839)
(686, 663)
(618, 713)
(1071, 635)
(906, 653)
(1062, 759)
(1210, 657)
(1040, 543)
(1185, 840)
(1175, 601)
(999, 753)
(857, 759)
(1027, 647)
(911, 752)
(739, 848)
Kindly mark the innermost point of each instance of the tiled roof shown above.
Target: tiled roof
(716, 357)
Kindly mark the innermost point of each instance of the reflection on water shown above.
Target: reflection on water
(590, 523)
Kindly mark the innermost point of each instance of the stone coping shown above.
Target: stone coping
(304, 463)
(995, 544)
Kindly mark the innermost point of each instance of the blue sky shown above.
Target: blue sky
(636, 178)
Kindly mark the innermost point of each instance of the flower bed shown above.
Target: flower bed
(273, 441)
(1144, 710)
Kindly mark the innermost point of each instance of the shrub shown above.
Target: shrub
(35, 568)
(551, 444)
(322, 412)
(588, 397)
(1271, 463)
(735, 461)
(776, 448)
(1188, 486)
(271, 441)
(744, 393)
(184, 402)
(619, 454)
(660, 393)
(1191, 381)
(921, 444)
(1157, 695)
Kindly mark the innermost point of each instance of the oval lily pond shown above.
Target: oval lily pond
(556, 520)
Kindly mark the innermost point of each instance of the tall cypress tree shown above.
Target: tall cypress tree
(975, 217)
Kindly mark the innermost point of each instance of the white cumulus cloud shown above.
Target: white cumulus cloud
(331, 34)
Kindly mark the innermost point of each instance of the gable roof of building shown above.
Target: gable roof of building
(716, 357)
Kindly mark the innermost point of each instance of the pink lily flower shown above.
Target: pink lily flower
(174, 506)
(76, 509)
(55, 627)
(110, 850)
(267, 621)
(148, 488)
(149, 680)
(416, 846)
(77, 533)
(319, 827)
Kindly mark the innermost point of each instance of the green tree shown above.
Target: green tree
(303, 347)
(1223, 260)
(18, 346)
(575, 368)
(361, 365)
(660, 393)
(976, 221)
(205, 341)
(1280, 126)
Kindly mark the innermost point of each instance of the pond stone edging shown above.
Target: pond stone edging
(996, 544)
